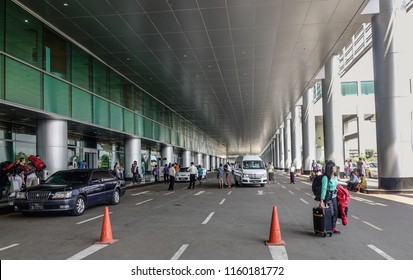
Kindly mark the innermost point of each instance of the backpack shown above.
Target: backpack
(316, 186)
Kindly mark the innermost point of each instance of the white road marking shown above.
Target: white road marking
(309, 194)
(367, 201)
(180, 252)
(291, 192)
(139, 203)
(91, 219)
(260, 192)
(373, 226)
(10, 246)
(380, 252)
(229, 192)
(168, 193)
(134, 194)
(88, 251)
(199, 193)
(222, 202)
(278, 252)
(208, 218)
(283, 187)
(298, 189)
(367, 223)
(304, 201)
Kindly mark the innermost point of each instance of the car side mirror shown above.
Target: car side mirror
(95, 181)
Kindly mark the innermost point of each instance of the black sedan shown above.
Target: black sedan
(71, 191)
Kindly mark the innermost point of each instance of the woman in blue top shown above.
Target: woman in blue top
(200, 173)
(329, 191)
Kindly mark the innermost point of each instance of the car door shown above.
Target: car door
(110, 183)
(96, 188)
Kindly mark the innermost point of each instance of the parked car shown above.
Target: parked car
(71, 191)
(372, 170)
(183, 174)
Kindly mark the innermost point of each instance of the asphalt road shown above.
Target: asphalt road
(208, 223)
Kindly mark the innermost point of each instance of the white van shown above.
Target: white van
(250, 170)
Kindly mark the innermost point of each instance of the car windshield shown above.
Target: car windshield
(68, 177)
(253, 164)
(183, 169)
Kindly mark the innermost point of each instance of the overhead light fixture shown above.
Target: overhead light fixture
(66, 4)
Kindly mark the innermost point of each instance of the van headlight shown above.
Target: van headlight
(245, 176)
(62, 195)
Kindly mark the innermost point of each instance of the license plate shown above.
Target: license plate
(36, 206)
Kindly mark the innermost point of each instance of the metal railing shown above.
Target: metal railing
(360, 42)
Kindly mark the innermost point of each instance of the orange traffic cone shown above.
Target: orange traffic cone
(275, 233)
(106, 235)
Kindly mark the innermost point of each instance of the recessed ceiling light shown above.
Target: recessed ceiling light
(209, 66)
(128, 58)
(26, 20)
(184, 55)
(66, 4)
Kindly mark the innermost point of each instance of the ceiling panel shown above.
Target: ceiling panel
(243, 62)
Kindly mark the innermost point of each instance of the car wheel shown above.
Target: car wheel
(115, 197)
(80, 206)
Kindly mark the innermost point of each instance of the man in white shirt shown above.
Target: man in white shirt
(192, 175)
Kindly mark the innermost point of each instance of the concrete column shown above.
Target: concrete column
(186, 158)
(287, 143)
(308, 119)
(332, 117)
(296, 137)
(392, 57)
(132, 153)
(277, 150)
(167, 155)
(213, 163)
(207, 162)
(52, 144)
(199, 159)
(115, 156)
(281, 148)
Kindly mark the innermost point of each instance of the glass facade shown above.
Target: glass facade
(44, 71)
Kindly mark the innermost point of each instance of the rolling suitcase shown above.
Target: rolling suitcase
(322, 218)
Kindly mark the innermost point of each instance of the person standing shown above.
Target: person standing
(220, 176)
(171, 173)
(166, 173)
(328, 197)
(156, 173)
(192, 175)
(270, 170)
(228, 174)
(200, 173)
(292, 174)
(135, 172)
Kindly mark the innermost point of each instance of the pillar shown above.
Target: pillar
(186, 158)
(132, 153)
(52, 144)
(392, 57)
(308, 120)
(167, 155)
(296, 137)
(281, 148)
(287, 143)
(332, 117)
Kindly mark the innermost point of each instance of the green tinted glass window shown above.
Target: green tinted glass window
(147, 128)
(23, 35)
(100, 79)
(81, 105)
(128, 101)
(156, 131)
(115, 87)
(56, 96)
(1, 76)
(116, 117)
(139, 125)
(367, 87)
(100, 111)
(128, 121)
(23, 84)
(349, 88)
(55, 54)
(80, 68)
